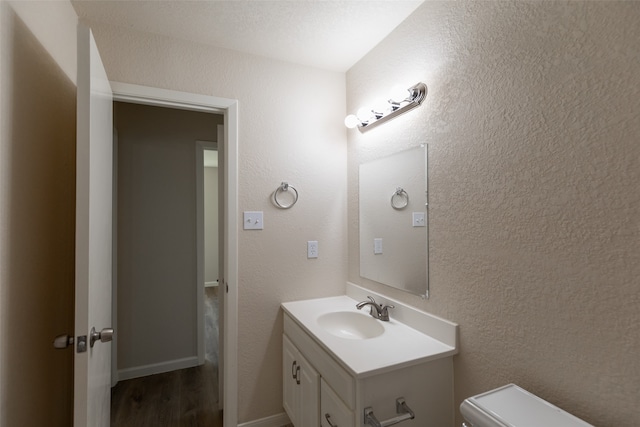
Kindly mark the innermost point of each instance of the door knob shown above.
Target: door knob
(63, 341)
(105, 335)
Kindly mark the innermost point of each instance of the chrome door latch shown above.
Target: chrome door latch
(81, 346)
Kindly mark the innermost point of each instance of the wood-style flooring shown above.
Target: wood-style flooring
(182, 398)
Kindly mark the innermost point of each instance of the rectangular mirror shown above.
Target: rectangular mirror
(394, 221)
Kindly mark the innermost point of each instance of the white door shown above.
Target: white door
(94, 157)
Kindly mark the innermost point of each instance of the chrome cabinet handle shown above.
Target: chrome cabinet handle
(328, 418)
(295, 372)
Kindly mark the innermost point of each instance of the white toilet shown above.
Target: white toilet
(512, 406)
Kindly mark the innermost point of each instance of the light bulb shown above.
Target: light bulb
(381, 107)
(364, 114)
(351, 121)
(398, 93)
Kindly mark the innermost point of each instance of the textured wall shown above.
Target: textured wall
(37, 213)
(290, 129)
(532, 122)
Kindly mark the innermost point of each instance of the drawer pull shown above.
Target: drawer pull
(328, 418)
(405, 413)
(295, 372)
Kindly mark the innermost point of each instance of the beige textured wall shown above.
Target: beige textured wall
(532, 119)
(157, 231)
(290, 129)
(37, 214)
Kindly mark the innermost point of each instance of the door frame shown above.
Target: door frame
(200, 147)
(146, 95)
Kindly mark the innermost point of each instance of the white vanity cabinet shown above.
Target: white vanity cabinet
(341, 395)
(301, 387)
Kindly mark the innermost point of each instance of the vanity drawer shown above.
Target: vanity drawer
(333, 412)
(328, 368)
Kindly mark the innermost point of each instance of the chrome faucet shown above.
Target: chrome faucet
(379, 311)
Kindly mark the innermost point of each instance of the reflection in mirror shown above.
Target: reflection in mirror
(394, 221)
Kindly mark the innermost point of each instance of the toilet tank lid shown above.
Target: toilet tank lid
(511, 406)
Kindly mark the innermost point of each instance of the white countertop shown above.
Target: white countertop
(399, 345)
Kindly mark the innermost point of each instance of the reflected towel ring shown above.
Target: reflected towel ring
(399, 199)
(284, 188)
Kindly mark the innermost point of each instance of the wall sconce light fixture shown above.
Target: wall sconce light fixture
(400, 101)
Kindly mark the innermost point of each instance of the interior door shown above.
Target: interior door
(94, 158)
(222, 287)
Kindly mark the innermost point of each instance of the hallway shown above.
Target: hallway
(183, 398)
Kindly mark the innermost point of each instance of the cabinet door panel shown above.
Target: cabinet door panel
(289, 383)
(333, 409)
(309, 394)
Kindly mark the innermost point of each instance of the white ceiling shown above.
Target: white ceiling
(326, 34)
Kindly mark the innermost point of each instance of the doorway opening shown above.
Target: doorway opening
(165, 321)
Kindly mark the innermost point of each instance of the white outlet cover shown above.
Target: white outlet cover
(377, 246)
(312, 249)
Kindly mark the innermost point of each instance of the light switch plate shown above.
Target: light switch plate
(253, 220)
(419, 219)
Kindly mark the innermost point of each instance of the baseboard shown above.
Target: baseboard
(157, 368)
(278, 420)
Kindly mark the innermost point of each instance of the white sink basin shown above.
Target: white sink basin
(366, 346)
(350, 325)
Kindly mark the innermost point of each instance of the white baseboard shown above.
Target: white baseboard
(157, 368)
(278, 420)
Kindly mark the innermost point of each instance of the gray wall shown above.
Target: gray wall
(534, 164)
(157, 232)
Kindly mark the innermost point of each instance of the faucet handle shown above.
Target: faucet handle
(384, 311)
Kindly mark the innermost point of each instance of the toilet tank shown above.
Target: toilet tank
(512, 406)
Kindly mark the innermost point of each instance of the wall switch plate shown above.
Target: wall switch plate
(419, 219)
(253, 220)
(377, 246)
(312, 249)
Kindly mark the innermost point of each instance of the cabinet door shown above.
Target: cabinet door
(333, 412)
(309, 393)
(300, 387)
(289, 382)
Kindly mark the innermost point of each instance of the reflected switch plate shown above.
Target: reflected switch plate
(377, 246)
(419, 219)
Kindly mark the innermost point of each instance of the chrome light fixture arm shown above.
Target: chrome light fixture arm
(416, 96)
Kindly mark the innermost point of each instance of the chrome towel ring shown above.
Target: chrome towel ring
(399, 199)
(284, 189)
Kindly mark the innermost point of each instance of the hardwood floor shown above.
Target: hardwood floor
(187, 397)
(182, 398)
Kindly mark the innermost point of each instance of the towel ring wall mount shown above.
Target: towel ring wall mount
(278, 195)
(399, 199)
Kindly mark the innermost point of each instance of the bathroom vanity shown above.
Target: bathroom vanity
(340, 364)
